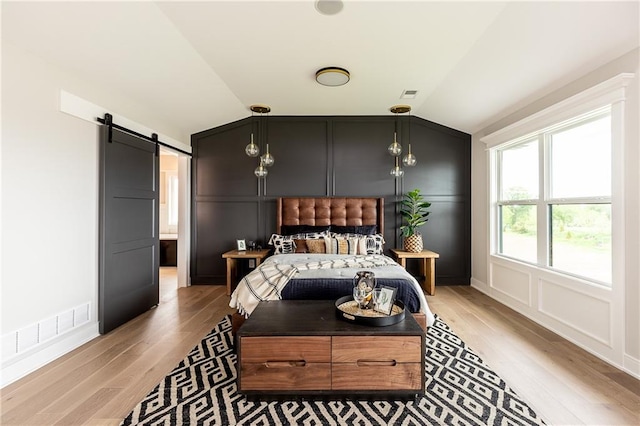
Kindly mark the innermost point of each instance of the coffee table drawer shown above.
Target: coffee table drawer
(285, 376)
(310, 349)
(399, 349)
(376, 376)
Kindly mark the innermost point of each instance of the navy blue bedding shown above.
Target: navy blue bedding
(334, 288)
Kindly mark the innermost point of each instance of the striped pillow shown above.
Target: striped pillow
(341, 245)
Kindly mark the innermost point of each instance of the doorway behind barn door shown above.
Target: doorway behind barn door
(174, 221)
(169, 222)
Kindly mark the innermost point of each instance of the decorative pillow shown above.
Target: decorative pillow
(301, 245)
(285, 244)
(371, 244)
(357, 230)
(282, 244)
(314, 235)
(316, 246)
(341, 245)
(302, 229)
(273, 238)
(336, 235)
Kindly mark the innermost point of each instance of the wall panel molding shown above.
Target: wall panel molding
(512, 282)
(556, 303)
(594, 322)
(329, 156)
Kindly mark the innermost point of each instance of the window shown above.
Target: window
(519, 188)
(553, 201)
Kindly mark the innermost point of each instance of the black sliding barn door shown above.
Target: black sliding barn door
(129, 243)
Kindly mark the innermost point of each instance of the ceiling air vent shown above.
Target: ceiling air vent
(409, 94)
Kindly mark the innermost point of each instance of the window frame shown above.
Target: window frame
(610, 93)
(544, 201)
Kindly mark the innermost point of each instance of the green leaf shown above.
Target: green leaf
(413, 210)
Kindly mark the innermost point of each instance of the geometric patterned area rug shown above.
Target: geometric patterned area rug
(460, 390)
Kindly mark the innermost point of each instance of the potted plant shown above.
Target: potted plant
(414, 212)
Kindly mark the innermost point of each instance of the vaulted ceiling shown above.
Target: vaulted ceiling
(201, 64)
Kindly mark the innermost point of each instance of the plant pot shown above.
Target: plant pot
(413, 243)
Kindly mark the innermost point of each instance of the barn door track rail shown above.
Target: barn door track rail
(108, 120)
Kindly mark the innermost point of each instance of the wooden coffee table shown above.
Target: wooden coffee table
(301, 347)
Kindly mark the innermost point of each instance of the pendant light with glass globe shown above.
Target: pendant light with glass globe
(395, 149)
(253, 150)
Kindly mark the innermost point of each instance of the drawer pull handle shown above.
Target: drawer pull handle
(281, 364)
(376, 363)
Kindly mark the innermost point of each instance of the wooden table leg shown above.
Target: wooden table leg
(231, 273)
(429, 271)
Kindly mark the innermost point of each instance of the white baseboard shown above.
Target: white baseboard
(480, 286)
(632, 366)
(19, 366)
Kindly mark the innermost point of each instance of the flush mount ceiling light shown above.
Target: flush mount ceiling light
(332, 76)
(329, 7)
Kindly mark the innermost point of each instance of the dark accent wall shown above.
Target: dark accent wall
(328, 156)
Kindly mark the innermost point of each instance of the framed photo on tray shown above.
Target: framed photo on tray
(385, 300)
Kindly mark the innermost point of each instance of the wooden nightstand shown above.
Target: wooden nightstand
(232, 257)
(427, 266)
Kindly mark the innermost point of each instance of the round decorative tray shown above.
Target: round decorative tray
(347, 310)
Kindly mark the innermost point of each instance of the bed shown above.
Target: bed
(319, 245)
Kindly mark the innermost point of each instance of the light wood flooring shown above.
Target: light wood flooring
(100, 382)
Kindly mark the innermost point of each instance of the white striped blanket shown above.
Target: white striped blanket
(267, 280)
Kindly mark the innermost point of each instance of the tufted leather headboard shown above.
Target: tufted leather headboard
(342, 211)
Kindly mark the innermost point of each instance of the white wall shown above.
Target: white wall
(49, 220)
(632, 226)
(498, 278)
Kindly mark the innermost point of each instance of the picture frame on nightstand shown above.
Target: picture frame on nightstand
(242, 245)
